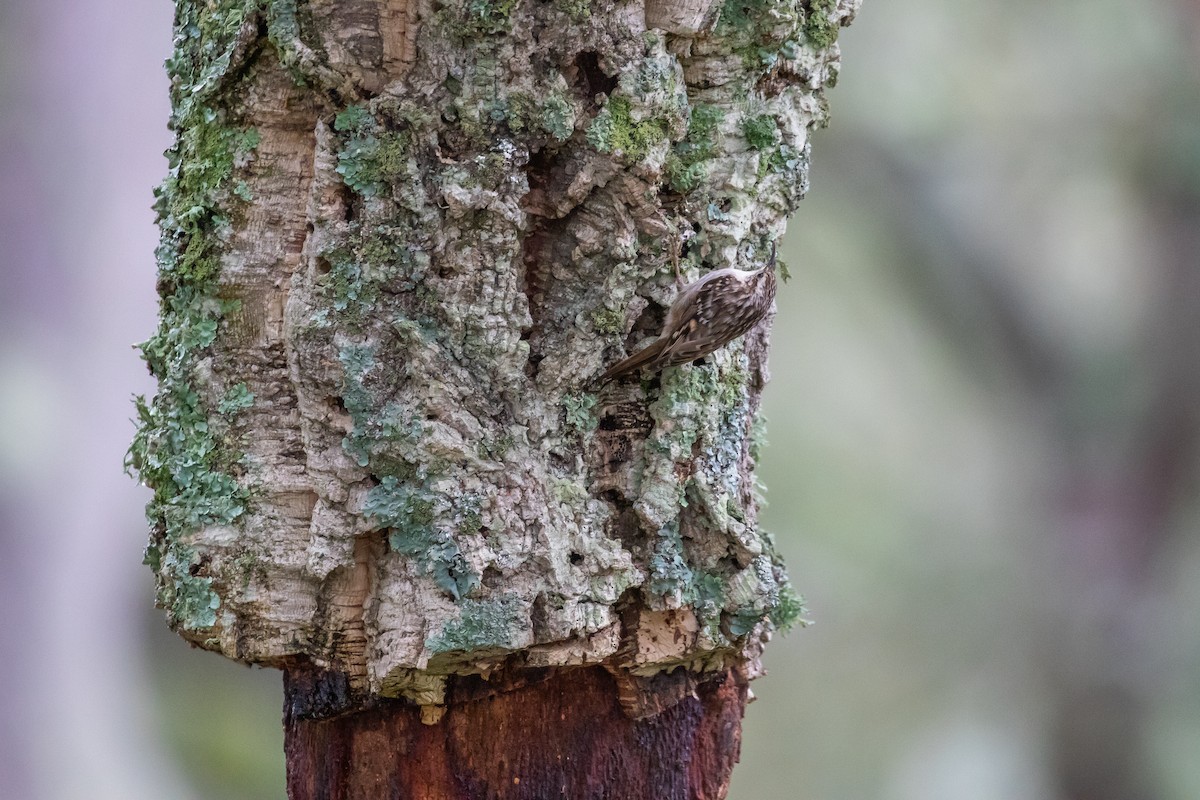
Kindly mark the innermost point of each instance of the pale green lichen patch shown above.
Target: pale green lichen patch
(175, 451)
(189, 598)
(413, 517)
(728, 603)
(670, 576)
(581, 412)
(577, 10)
(557, 117)
(702, 417)
(237, 398)
(500, 623)
(373, 158)
(648, 109)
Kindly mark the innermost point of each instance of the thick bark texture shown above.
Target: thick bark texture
(401, 240)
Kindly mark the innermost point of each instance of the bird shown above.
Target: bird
(707, 314)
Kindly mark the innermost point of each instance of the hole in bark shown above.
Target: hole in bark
(491, 576)
(576, 558)
(546, 180)
(615, 497)
(649, 322)
(532, 366)
(347, 200)
(608, 423)
(445, 269)
(560, 460)
(589, 79)
(323, 266)
(452, 141)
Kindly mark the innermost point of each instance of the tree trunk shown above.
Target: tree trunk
(536, 734)
(400, 241)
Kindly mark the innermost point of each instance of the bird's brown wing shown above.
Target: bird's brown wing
(695, 336)
(635, 361)
(709, 314)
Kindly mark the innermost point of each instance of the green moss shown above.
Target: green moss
(787, 161)
(734, 510)
(686, 167)
(518, 110)
(373, 158)
(483, 625)
(487, 16)
(610, 321)
(615, 131)
(761, 131)
(789, 610)
(497, 447)
(819, 29)
(470, 514)
(577, 10)
(369, 163)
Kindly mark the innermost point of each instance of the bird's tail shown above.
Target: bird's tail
(635, 361)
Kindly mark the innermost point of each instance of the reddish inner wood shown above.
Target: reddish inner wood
(560, 735)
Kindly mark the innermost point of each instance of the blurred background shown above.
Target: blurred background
(985, 421)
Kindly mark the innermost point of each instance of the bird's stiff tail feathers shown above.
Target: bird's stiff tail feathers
(635, 361)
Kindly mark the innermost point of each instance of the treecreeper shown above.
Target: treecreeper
(707, 314)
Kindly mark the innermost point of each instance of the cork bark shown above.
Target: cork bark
(400, 241)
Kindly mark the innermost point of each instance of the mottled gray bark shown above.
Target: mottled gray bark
(400, 241)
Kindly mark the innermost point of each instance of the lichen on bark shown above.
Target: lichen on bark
(399, 245)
